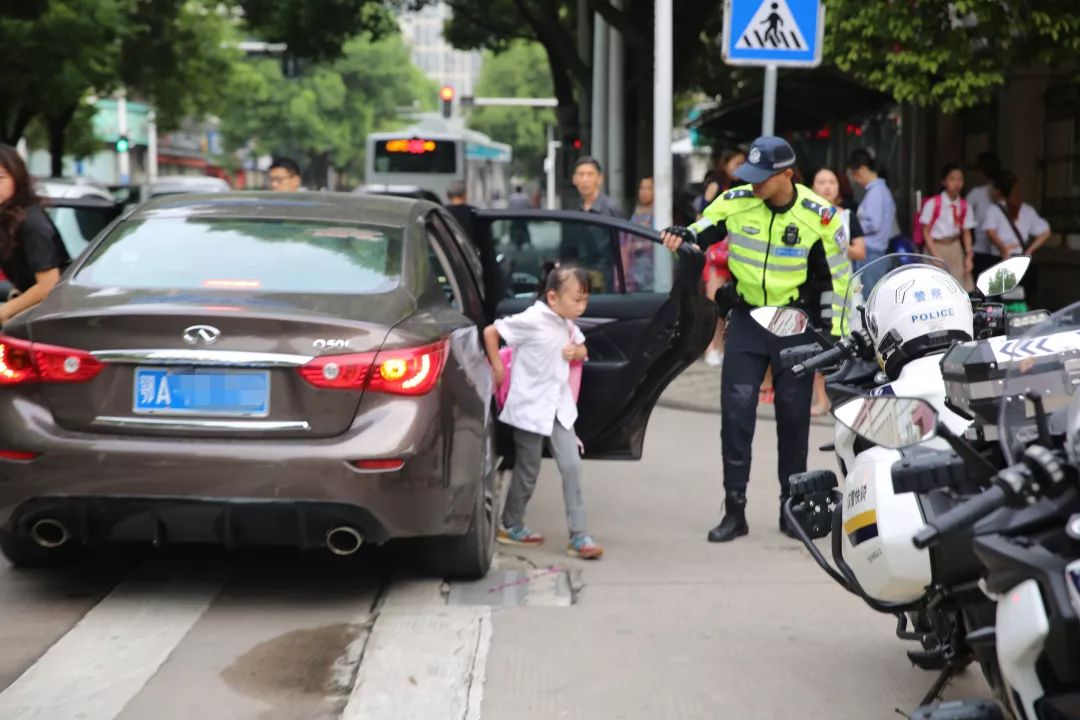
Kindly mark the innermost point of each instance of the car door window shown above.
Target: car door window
(617, 261)
(452, 272)
(465, 248)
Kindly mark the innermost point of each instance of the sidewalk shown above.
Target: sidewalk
(698, 390)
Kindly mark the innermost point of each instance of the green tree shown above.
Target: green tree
(520, 71)
(948, 53)
(323, 117)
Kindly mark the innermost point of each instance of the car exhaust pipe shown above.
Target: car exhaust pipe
(49, 533)
(343, 540)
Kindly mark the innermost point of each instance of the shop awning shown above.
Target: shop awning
(806, 100)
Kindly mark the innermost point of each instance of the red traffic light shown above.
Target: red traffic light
(446, 93)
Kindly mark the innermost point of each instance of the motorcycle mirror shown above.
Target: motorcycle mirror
(1003, 277)
(781, 322)
(889, 421)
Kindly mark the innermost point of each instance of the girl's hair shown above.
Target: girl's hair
(13, 212)
(1004, 182)
(949, 168)
(555, 275)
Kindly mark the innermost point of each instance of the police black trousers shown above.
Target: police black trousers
(748, 351)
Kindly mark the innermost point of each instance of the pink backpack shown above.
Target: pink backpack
(506, 354)
(917, 226)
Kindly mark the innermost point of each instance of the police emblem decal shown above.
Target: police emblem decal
(754, 156)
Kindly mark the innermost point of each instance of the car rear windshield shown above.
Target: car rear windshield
(283, 256)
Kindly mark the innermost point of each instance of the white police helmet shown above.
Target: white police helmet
(916, 310)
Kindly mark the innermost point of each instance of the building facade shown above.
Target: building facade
(435, 57)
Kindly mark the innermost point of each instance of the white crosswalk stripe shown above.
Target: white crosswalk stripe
(105, 660)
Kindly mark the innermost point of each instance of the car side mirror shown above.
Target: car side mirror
(889, 421)
(781, 322)
(1003, 277)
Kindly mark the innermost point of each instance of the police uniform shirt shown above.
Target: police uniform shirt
(37, 248)
(774, 254)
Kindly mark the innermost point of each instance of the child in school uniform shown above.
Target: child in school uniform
(540, 405)
(947, 222)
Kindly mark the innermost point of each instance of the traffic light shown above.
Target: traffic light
(123, 144)
(446, 94)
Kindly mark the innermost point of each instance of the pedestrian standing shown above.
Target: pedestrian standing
(778, 231)
(980, 199)
(32, 255)
(1013, 226)
(876, 214)
(947, 222)
(540, 405)
(827, 185)
(637, 252)
(284, 175)
(590, 246)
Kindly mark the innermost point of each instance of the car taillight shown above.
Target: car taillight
(23, 362)
(411, 371)
(406, 371)
(338, 372)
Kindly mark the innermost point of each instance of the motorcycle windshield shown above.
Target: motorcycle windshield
(868, 276)
(1042, 370)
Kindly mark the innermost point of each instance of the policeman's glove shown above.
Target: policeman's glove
(676, 235)
(726, 298)
(864, 344)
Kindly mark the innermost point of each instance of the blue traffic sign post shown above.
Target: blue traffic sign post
(773, 33)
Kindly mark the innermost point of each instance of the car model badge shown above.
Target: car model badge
(201, 335)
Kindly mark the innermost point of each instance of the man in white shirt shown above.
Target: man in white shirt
(947, 224)
(980, 199)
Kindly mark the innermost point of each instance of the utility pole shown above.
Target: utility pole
(663, 109)
(598, 136)
(123, 154)
(616, 165)
(151, 148)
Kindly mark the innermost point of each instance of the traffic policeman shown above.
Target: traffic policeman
(781, 236)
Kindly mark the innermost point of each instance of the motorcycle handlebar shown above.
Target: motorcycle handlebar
(830, 357)
(961, 516)
(796, 354)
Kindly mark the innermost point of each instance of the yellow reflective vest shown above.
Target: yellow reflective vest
(774, 255)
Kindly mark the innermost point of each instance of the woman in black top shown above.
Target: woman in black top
(31, 252)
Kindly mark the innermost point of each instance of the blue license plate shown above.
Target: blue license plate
(165, 391)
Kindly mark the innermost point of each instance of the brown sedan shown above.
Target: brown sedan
(299, 369)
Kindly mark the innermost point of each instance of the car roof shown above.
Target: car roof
(333, 206)
(61, 188)
(189, 183)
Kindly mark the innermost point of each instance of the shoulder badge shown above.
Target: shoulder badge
(738, 193)
(825, 212)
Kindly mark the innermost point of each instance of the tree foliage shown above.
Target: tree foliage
(948, 53)
(520, 71)
(326, 113)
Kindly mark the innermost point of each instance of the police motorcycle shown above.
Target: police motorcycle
(907, 320)
(1025, 526)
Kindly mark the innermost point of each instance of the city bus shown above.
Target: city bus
(431, 155)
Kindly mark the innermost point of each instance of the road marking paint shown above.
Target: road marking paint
(103, 662)
(423, 664)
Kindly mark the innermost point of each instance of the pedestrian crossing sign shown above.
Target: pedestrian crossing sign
(773, 32)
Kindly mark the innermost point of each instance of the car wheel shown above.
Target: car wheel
(467, 556)
(23, 552)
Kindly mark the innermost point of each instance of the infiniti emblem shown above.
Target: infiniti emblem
(201, 335)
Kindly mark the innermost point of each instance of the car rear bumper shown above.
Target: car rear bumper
(272, 491)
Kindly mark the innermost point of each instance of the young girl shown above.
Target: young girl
(540, 405)
(947, 223)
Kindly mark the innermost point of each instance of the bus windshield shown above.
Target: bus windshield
(415, 155)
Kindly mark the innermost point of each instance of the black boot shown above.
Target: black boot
(734, 523)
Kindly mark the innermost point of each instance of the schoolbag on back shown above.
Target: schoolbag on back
(917, 234)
